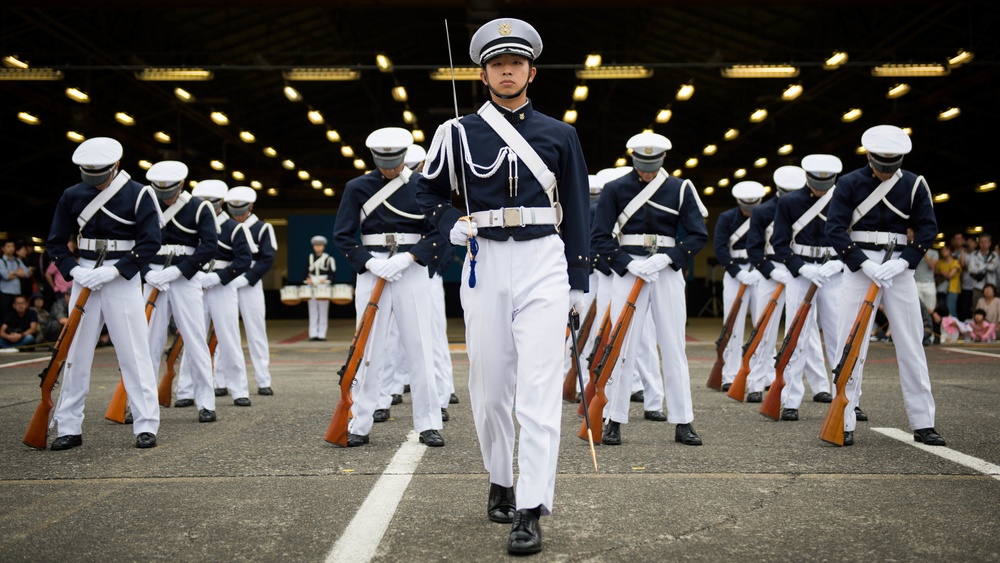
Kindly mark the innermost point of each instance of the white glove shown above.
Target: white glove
(869, 267)
(636, 268)
(656, 262)
(82, 275)
(811, 273)
(781, 276)
(576, 300)
(170, 274)
(831, 268)
(209, 281)
(239, 281)
(749, 277)
(394, 266)
(377, 266)
(461, 233)
(102, 275)
(891, 269)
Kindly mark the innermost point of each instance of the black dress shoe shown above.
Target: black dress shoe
(453, 400)
(726, 386)
(928, 436)
(637, 397)
(789, 414)
(265, 391)
(860, 415)
(221, 391)
(67, 442)
(501, 505)
(822, 397)
(354, 440)
(525, 534)
(205, 415)
(612, 435)
(432, 438)
(755, 397)
(656, 416)
(145, 440)
(181, 403)
(396, 399)
(242, 402)
(686, 435)
(848, 437)
(406, 389)
(380, 415)
(313, 339)
(444, 415)
(128, 415)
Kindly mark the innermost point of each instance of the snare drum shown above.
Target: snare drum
(290, 295)
(305, 292)
(324, 292)
(343, 293)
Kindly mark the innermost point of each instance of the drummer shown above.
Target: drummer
(320, 271)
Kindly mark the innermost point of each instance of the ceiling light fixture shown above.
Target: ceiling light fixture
(408, 117)
(758, 115)
(614, 72)
(272, 192)
(13, 62)
(760, 162)
(785, 149)
(949, 114)
(908, 130)
(708, 191)
(664, 115)
(124, 118)
(270, 152)
(217, 165)
(580, 93)
(247, 137)
(77, 95)
(30, 74)
(860, 150)
(162, 137)
(288, 164)
(315, 117)
(690, 163)
(328, 192)
(321, 74)
(303, 175)
(347, 151)
(851, 115)
(28, 118)
(836, 60)
(760, 71)
(685, 92)
(383, 62)
(219, 118)
(256, 185)
(961, 58)
(915, 70)
(75, 137)
(418, 136)
(399, 94)
(292, 94)
(731, 134)
(145, 164)
(677, 173)
(183, 95)
(621, 161)
(709, 150)
(793, 91)
(941, 198)
(740, 173)
(593, 60)
(316, 184)
(723, 182)
(239, 176)
(987, 187)
(332, 135)
(570, 116)
(359, 164)
(461, 73)
(898, 91)
(173, 74)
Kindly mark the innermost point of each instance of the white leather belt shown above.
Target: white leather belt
(812, 251)
(100, 244)
(877, 237)
(516, 217)
(176, 250)
(220, 264)
(390, 239)
(740, 253)
(647, 241)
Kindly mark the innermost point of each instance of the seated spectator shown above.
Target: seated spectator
(979, 329)
(37, 304)
(20, 327)
(952, 329)
(58, 317)
(989, 303)
(926, 315)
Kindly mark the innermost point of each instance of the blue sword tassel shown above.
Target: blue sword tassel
(473, 250)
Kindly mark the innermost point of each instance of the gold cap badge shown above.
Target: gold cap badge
(505, 28)
(648, 150)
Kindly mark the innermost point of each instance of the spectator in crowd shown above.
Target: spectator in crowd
(37, 304)
(12, 270)
(58, 317)
(924, 277)
(20, 328)
(55, 279)
(990, 304)
(927, 316)
(951, 328)
(980, 329)
(27, 281)
(983, 266)
(961, 253)
(949, 269)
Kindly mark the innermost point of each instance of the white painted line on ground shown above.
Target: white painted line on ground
(973, 352)
(23, 362)
(947, 453)
(363, 535)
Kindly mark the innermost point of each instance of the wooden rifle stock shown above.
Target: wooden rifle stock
(570, 383)
(595, 410)
(336, 432)
(38, 429)
(167, 383)
(739, 386)
(715, 378)
(771, 407)
(600, 341)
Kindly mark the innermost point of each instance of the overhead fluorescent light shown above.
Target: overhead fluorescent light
(898, 91)
(612, 72)
(974, 230)
(321, 74)
(162, 137)
(941, 197)
(332, 135)
(219, 118)
(916, 70)
(217, 165)
(292, 94)
(580, 93)
(75, 137)
(288, 164)
(987, 187)
(124, 118)
(593, 61)
(677, 173)
(691, 162)
(303, 175)
(399, 94)
(270, 152)
(851, 115)
(793, 91)
(256, 185)
(621, 161)
(30, 74)
(173, 74)
(908, 130)
(836, 60)
(418, 136)
(758, 115)
(77, 95)
(760, 71)
(247, 137)
(708, 191)
(328, 192)
(359, 164)
(383, 62)
(709, 150)
(767, 190)
(13, 62)
(239, 176)
(961, 58)
(570, 116)
(760, 162)
(145, 164)
(272, 192)
(316, 184)
(731, 134)
(723, 182)
(183, 95)
(785, 149)
(860, 150)
(740, 173)
(685, 92)
(315, 117)
(28, 118)
(347, 151)
(949, 114)
(408, 117)
(664, 115)
(461, 73)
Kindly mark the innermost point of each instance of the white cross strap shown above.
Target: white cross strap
(515, 141)
(103, 197)
(383, 194)
(876, 196)
(811, 213)
(639, 200)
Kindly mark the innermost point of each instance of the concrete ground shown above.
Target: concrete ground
(261, 484)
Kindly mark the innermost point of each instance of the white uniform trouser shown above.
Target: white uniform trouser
(762, 361)
(443, 371)
(251, 299)
(808, 354)
(589, 298)
(515, 327)
(395, 373)
(223, 310)
(183, 300)
(406, 299)
(665, 299)
(650, 382)
(120, 305)
(319, 316)
(732, 356)
(903, 312)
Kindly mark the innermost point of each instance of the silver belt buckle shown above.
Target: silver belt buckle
(512, 217)
(390, 239)
(100, 245)
(881, 239)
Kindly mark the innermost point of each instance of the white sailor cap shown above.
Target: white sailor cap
(318, 239)
(505, 35)
(167, 175)
(821, 170)
(388, 146)
(210, 189)
(748, 194)
(415, 154)
(648, 150)
(238, 199)
(789, 178)
(97, 155)
(596, 184)
(886, 145)
(608, 174)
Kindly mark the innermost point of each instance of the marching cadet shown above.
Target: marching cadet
(394, 236)
(870, 207)
(636, 225)
(731, 252)
(118, 219)
(222, 309)
(761, 253)
(319, 272)
(801, 245)
(189, 240)
(527, 276)
(250, 289)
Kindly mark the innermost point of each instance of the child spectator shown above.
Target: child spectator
(952, 329)
(980, 329)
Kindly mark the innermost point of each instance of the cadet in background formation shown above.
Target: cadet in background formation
(319, 273)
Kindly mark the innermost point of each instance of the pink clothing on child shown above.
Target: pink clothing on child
(984, 332)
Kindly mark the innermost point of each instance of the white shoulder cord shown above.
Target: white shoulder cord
(443, 143)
